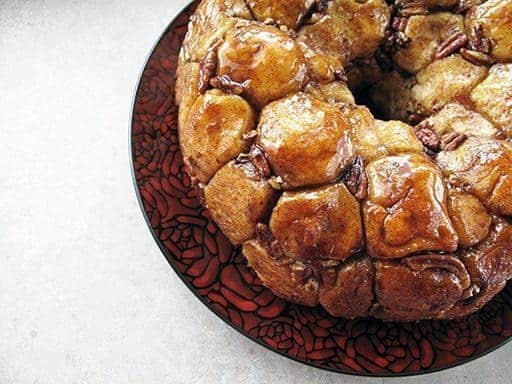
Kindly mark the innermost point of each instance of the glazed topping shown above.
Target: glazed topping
(469, 217)
(406, 208)
(318, 224)
(426, 35)
(482, 167)
(444, 81)
(491, 24)
(265, 61)
(306, 140)
(457, 118)
(402, 219)
(212, 19)
(490, 261)
(397, 137)
(283, 13)
(346, 30)
(214, 132)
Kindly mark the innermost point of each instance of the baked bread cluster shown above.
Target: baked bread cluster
(358, 151)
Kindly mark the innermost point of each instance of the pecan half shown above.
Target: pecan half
(451, 45)
(452, 140)
(478, 41)
(268, 241)
(207, 67)
(356, 179)
(427, 135)
(413, 8)
(258, 159)
(476, 57)
(225, 83)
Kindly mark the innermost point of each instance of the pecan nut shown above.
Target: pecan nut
(413, 8)
(225, 83)
(452, 140)
(478, 41)
(451, 45)
(356, 179)
(399, 23)
(258, 159)
(341, 75)
(268, 241)
(208, 66)
(428, 137)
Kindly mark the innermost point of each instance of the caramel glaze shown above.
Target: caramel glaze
(414, 231)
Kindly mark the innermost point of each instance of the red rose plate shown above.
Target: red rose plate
(218, 275)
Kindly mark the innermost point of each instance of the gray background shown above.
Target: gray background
(85, 295)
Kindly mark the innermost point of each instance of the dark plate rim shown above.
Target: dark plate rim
(191, 288)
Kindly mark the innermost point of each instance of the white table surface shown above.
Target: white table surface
(85, 294)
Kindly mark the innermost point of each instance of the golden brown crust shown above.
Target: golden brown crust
(265, 60)
(494, 19)
(306, 140)
(406, 208)
(434, 283)
(403, 219)
(322, 223)
(214, 132)
(289, 13)
(238, 213)
(352, 294)
(426, 33)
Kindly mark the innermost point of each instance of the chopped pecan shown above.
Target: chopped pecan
(356, 179)
(328, 272)
(476, 57)
(451, 45)
(258, 159)
(225, 83)
(399, 23)
(268, 241)
(300, 271)
(315, 18)
(322, 5)
(340, 75)
(276, 182)
(427, 135)
(451, 141)
(478, 41)
(414, 118)
(250, 135)
(401, 40)
(465, 5)
(207, 67)
(312, 285)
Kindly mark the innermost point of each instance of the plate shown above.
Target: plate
(218, 275)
